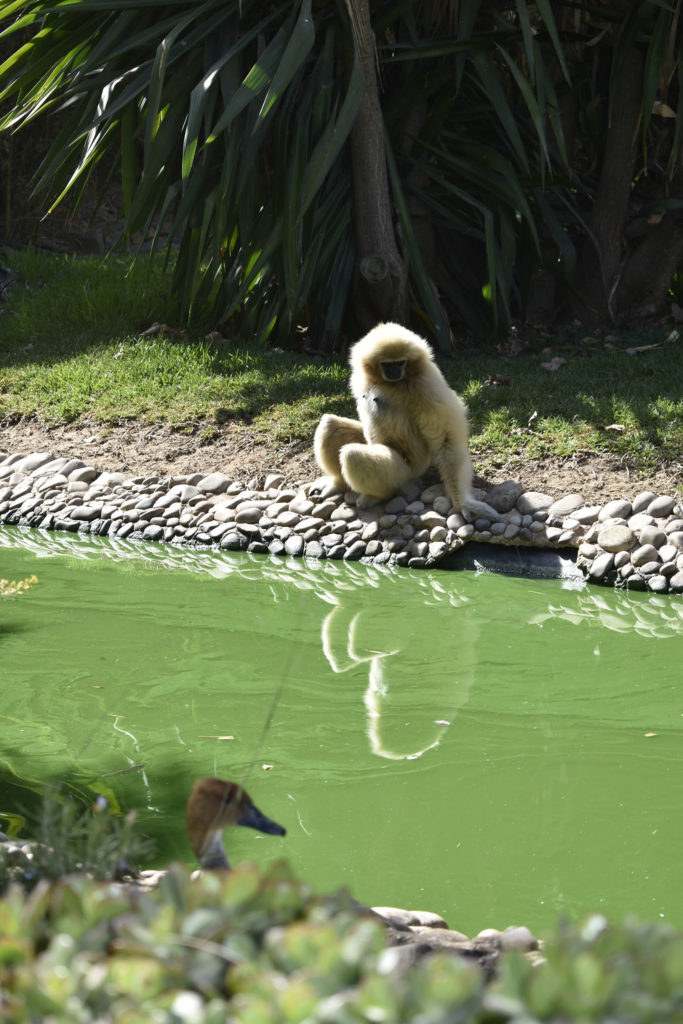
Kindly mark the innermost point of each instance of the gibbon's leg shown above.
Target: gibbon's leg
(332, 433)
(455, 466)
(374, 469)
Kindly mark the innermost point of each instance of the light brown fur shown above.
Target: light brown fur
(404, 426)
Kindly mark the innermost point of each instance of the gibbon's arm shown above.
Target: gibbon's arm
(455, 466)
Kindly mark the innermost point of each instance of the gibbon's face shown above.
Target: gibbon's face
(393, 369)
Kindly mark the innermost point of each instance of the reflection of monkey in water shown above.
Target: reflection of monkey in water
(409, 419)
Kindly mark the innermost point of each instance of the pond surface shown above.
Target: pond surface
(494, 749)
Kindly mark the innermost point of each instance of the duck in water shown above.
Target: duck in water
(212, 806)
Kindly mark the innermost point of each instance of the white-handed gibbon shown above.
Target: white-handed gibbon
(409, 419)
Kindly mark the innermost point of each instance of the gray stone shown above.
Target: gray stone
(652, 535)
(616, 538)
(395, 505)
(587, 514)
(676, 539)
(248, 514)
(438, 550)
(214, 483)
(84, 513)
(642, 555)
(668, 552)
(325, 509)
(48, 468)
(620, 508)
(294, 545)
(518, 937)
(533, 502)
(641, 519)
(564, 506)
(71, 465)
(657, 583)
(431, 493)
(642, 500)
(153, 533)
(337, 552)
(105, 479)
(442, 505)
(650, 568)
(411, 490)
(342, 514)
(301, 504)
(28, 463)
(233, 541)
(355, 551)
(676, 583)
(661, 507)
(185, 492)
(503, 496)
(602, 566)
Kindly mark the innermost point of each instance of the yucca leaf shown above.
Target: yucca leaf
(298, 47)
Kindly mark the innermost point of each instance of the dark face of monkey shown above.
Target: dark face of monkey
(393, 369)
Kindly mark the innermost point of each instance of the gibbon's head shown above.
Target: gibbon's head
(390, 353)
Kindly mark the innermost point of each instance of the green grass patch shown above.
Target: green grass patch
(73, 344)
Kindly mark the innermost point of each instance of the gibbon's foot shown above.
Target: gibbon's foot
(325, 487)
(473, 509)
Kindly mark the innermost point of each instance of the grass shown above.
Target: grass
(72, 345)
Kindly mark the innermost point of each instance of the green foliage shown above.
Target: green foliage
(257, 946)
(69, 837)
(227, 125)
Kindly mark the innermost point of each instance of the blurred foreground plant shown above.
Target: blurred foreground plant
(256, 945)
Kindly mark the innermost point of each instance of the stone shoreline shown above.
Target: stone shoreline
(634, 543)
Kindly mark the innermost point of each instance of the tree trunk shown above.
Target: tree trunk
(381, 272)
(603, 248)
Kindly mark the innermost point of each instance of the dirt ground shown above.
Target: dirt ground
(158, 450)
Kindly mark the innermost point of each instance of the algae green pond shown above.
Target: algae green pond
(497, 750)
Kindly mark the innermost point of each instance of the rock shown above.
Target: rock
(85, 513)
(503, 497)
(661, 507)
(48, 468)
(518, 937)
(533, 502)
(563, 506)
(602, 566)
(643, 554)
(294, 545)
(396, 505)
(214, 483)
(616, 538)
(29, 463)
(587, 514)
(620, 508)
(642, 500)
(652, 535)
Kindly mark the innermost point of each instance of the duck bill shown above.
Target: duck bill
(253, 818)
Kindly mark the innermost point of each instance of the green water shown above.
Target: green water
(469, 744)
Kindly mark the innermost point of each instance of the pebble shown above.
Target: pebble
(637, 543)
